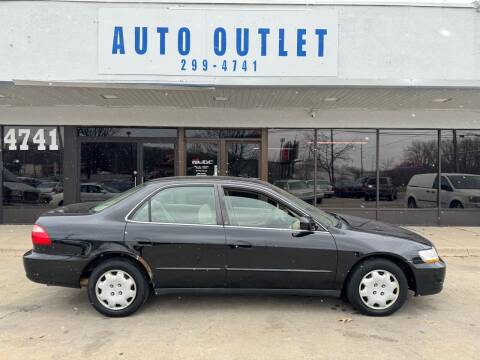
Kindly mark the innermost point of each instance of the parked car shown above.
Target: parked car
(348, 188)
(326, 188)
(387, 189)
(457, 190)
(96, 192)
(16, 191)
(320, 193)
(298, 188)
(221, 234)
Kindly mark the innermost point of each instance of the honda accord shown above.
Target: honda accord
(226, 235)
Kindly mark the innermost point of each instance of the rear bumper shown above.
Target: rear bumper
(429, 278)
(53, 269)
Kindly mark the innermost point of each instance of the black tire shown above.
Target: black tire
(412, 204)
(141, 286)
(60, 203)
(379, 264)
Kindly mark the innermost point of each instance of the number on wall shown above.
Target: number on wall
(13, 136)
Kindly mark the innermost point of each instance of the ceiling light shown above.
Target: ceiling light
(330, 99)
(441, 100)
(109, 96)
(221, 98)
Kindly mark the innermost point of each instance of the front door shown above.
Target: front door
(179, 232)
(266, 248)
(223, 158)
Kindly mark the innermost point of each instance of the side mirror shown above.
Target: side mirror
(307, 224)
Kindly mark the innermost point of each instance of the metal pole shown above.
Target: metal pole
(377, 200)
(315, 167)
(439, 174)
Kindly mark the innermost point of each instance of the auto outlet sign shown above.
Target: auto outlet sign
(218, 43)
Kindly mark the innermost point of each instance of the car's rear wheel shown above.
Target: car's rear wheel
(117, 288)
(377, 287)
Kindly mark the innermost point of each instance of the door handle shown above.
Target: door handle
(241, 244)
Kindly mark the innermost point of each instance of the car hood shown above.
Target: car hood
(381, 228)
(19, 186)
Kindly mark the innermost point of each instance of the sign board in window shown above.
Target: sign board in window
(218, 43)
(30, 138)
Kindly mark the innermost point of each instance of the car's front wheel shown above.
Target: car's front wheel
(117, 288)
(377, 287)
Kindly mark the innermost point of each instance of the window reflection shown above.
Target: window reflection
(291, 161)
(460, 186)
(408, 167)
(346, 161)
(32, 172)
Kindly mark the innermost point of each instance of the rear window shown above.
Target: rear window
(422, 180)
(116, 199)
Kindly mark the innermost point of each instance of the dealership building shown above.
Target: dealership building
(325, 99)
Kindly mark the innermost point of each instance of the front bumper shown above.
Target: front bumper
(429, 278)
(49, 269)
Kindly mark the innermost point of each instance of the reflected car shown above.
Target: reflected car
(116, 185)
(15, 191)
(298, 188)
(226, 235)
(387, 189)
(320, 190)
(348, 189)
(457, 191)
(326, 188)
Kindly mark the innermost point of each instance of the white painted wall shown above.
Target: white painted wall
(378, 45)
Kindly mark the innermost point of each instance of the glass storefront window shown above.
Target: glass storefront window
(408, 168)
(32, 172)
(346, 165)
(460, 186)
(291, 161)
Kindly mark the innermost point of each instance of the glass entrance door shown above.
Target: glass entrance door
(158, 160)
(223, 158)
(112, 167)
(243, 159)
(107, 168)
(202, 158)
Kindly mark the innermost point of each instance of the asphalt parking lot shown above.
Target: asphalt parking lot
(40, 322)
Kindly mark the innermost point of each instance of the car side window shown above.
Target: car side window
(180, 205)
(252, 209)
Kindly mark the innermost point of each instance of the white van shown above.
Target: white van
(457, 191)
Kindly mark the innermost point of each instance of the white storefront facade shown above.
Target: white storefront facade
(321, 98)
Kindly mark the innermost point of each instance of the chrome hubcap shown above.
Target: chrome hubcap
(379, 289)
(115, 289)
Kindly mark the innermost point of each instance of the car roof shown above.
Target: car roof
(212, 179)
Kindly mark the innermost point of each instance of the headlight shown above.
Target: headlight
(429, 256)
(474, 199)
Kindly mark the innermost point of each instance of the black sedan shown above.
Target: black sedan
(214, 234)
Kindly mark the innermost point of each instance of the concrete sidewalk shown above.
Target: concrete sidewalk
(450, 241)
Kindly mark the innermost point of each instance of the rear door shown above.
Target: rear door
(266, 250)
(179, 232)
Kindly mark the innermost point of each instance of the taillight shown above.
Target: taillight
(40, 236)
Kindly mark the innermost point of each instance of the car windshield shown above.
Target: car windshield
(465, 181)
(114, 200)
(321, 216)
